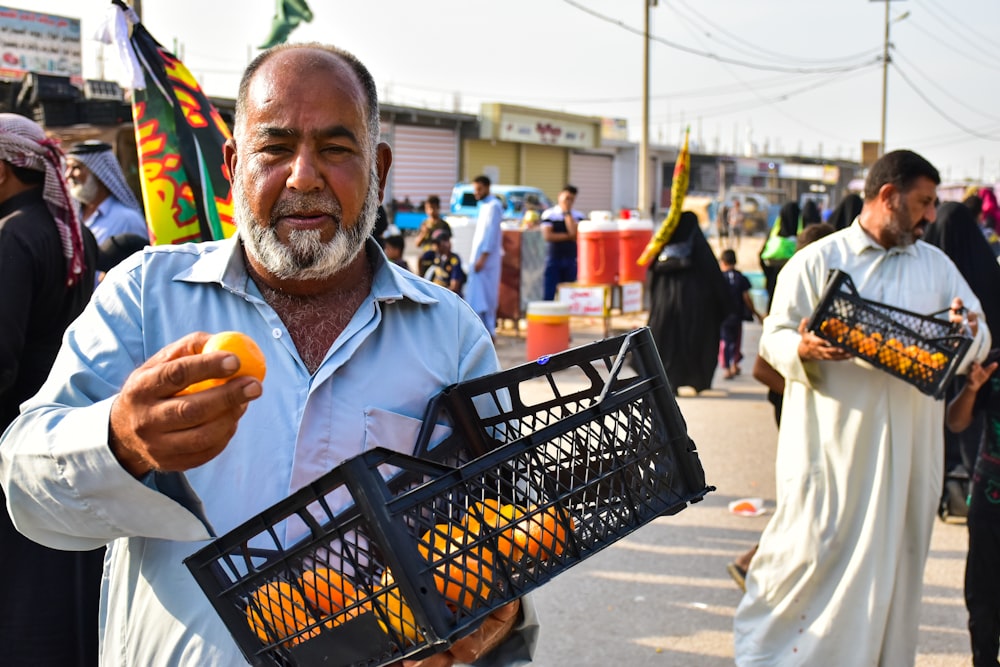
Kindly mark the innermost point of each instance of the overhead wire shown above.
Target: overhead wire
(963, 32)
(774, 103)
(735, 37)
(976, 58)
(723, 59)
(947, 94)
(920, 93)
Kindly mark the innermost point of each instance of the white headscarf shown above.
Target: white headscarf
(99, 158)
(23, 144)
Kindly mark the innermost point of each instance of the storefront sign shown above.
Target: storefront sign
(42, 43)
(540, 130)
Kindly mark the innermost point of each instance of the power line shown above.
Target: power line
(964, 33)
(734, 37)
(941, 88)
(935, 107)
(722, 59)
(973, 57)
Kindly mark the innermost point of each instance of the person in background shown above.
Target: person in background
(838, 577)
(432, 223)
(107, 206)
(686, 308)
(734, 221)
(957, 234)
(991, 209)
(559, 233)
(482, 289)
(846, 211)
(49, 600)
(981, 395)
(811, 214)
(740, 309)
(975, 205)
(532, 212)
(445, 266)
(93, 455)
(787, 226)
(394, 247)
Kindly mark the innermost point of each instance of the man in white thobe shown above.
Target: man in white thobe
(482, 290)
(838, 576)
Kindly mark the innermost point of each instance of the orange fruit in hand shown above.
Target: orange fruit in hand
(331, 593)
(252, 361)
(276, 611)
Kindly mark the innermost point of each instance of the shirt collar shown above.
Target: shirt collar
(859, 242)
(226, 266)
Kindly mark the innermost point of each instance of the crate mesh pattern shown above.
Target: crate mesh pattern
(391, 556)
(922, 350)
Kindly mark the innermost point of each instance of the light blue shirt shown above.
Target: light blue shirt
(65, 489)
(113, 218)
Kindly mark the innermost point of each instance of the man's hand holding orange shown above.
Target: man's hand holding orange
(152, 427)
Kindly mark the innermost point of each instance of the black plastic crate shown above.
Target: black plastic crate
(518, 493)
(922, 350)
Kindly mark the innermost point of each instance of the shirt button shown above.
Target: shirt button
(276, 332)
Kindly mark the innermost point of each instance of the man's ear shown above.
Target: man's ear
(383, 158)
(229, 157)
(887, 195)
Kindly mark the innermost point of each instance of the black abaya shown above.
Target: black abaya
(686, 312)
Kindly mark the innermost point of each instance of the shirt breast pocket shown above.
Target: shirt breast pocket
(398, 432)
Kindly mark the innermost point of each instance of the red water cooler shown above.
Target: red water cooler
(597, 251)
(633, 237)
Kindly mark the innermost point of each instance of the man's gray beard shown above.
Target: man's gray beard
(305, 257)
(85, 192)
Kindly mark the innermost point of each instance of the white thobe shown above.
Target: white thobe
(482, 289)
(838, 576)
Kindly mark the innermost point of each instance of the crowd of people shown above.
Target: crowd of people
(112, 477)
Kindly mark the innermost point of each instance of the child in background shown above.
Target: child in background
(982, 580)
(394, 247)
(740, 309)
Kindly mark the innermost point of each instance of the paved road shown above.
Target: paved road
(662, 596)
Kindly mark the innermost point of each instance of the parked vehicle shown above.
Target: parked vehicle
(514, 198)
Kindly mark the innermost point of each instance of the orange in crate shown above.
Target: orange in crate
(395, 610)
(544, 534)
(331, 592)
(463, 578)
(277, 611)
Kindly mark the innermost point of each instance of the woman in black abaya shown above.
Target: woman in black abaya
(957, 233)
(686, 310)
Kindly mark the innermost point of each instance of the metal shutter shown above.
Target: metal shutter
(424, 162)
(592, 175)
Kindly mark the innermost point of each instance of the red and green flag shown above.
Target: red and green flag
(179, 135)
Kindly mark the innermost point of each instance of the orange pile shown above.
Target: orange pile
(911, 361)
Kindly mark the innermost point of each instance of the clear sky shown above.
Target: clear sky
(779, 75)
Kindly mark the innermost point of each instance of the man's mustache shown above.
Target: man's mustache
(307, 204)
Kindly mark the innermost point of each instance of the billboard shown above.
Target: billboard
(42, 43)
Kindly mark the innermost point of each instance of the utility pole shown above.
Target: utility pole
(885, 79)
(644, 142)
(885, 73)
